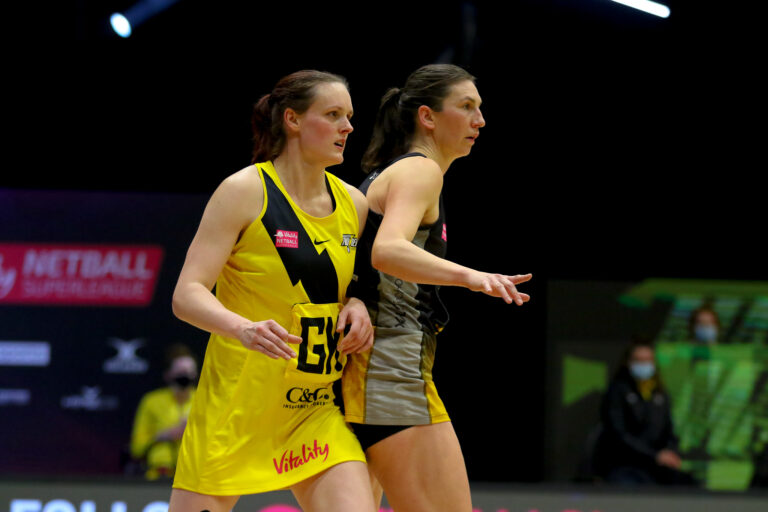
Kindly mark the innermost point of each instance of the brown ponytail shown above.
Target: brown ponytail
(395, 123)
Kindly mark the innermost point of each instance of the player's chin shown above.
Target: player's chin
(465, 151)
(336, 160)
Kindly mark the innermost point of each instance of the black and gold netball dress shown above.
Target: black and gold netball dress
(392, 383)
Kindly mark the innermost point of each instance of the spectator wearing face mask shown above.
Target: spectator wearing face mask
(704, 325)
(638, 445)
(162, 415)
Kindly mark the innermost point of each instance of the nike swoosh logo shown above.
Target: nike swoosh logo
(320, 242)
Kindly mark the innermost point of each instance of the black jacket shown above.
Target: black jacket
(634, 430)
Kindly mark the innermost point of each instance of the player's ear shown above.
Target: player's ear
(291, 120)
(425, 117)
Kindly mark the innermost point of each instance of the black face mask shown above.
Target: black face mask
(183, 381)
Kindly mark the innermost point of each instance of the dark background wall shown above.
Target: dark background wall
(618, 146)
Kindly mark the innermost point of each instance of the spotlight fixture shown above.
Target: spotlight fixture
(124, 23)
(648, 6)
(120, 25)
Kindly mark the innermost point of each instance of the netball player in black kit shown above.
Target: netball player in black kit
(389, 396)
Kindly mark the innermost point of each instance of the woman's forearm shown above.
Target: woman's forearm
(196, 305)
(403, 259)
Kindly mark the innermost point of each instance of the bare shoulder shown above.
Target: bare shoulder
(416, 170)
(354, 192)
(415, 179)
(242, 183)
(239, 197)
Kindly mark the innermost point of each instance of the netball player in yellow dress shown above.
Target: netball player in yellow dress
(389, 395)
(278, 240)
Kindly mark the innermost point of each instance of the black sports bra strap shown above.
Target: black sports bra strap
(407, 155)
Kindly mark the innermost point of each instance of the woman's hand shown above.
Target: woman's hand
(668, 458)
(498, 285)
(359, 337)
(269, 338)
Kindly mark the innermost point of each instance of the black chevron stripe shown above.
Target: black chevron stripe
(315, 271)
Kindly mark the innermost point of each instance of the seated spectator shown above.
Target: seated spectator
(162, 415)
(638, 445)
(704, 325)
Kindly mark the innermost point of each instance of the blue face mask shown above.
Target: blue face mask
(642, 371)
(706, 333)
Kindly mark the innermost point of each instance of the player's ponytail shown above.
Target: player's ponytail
(395, 123)
(295, 91)
(389, 136)
(261, 126)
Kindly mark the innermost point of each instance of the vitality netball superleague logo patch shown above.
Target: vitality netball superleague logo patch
(288, 239)
(289, 461)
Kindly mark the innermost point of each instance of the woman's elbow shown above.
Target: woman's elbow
(382, 256)
(177, 303)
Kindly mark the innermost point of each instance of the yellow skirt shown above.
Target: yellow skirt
(256, 426)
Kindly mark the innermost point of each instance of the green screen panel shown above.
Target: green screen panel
(582, 377)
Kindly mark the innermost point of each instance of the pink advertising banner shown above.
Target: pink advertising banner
(78, 274)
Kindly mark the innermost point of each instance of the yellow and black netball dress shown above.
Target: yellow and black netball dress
(259, 424)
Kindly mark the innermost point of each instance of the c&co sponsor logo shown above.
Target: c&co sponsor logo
(302, 398)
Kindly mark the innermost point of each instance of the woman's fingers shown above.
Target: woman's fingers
(498, 285)
(269, 338)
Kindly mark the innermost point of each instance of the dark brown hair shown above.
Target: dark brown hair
(295, 91)
(176, 351)
(636, 343)
(395, 123)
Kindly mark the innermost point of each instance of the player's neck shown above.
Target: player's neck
(427, 147)
(301, 179)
